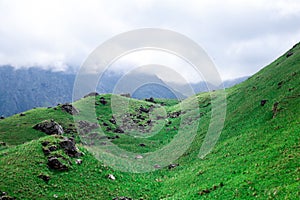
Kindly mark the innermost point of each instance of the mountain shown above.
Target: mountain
(256, 156)
(24, 89)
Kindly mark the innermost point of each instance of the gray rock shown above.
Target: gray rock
(49, 127)
(69, 108)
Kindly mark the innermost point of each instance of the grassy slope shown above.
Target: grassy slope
(256, 156)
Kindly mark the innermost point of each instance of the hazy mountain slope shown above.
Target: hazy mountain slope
(256, 157)
(24, 89)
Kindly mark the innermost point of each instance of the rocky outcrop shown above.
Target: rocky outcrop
(69, 108)
(49, 127)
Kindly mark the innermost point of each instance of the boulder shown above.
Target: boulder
(68, 144)
(55, 163)
(2, 117)
(49, 127)
(69, 108)
(92, 94)
(151, 99)
(103, 101)
(22, 114)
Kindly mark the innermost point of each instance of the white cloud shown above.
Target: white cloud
(241, 36)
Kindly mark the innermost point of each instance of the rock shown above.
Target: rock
(22, 114)
(53, 148)
(54, 163)
(2, 117)
(139, 157)
(275, 109)
(68, 144)
(69, 108)
(45, 143)
(122, 198)
(145, 110)
(119, 130)
(46, 151)
(289, 54)
(151, 99)
(104, 124)
(174, 114)
(92, 94)
(172, 166)
(103, 101)
(142, 145)
(126, 95)
(156, 166)
(49, 127)
(280, 84)
(263, 102)
(78, 161)
(113, 120)
(111, 177)
(2, 144)
(44, 177)
(86, 126)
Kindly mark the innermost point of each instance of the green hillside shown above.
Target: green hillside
(256, 156)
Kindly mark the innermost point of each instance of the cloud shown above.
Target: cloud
(241, 36)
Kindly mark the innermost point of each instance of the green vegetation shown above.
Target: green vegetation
(256, 156)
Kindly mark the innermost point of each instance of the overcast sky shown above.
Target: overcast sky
(241, 36)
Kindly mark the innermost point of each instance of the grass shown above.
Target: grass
(256, 156)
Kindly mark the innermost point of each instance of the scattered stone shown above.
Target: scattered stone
(139, 157)
(111, 177)
(122, 198)
(275, 109)
(263, 102)
(44, 177)
(174, 114)
(22, 114)
(54, 163)
(45, 143)
(156, 166)
(113, 120)
(143, 109)
(49, 127)
(104, 124)
(52, 148)
(205, 191)
(172, 166)
(4, 196)
(119, 130)
(92, 94)
(78, 161)
(103, 101)
(86, 126)
(280, 84)
(46, 151)
(69, 108)
(2, 144)
(289, 54)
